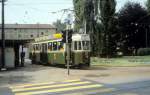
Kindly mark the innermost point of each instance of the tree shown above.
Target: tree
(90, 24)
(98, 17)
(132, 23)
(107, 15)
(148, 5)
(59, 25)
(79, 9)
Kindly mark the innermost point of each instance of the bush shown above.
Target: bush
(143, 51)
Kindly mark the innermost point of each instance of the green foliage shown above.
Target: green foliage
(143, 51)
(148, 5)
(59, 25)
(79, 11)
(107, 10)
(101, 24)
(133, 23)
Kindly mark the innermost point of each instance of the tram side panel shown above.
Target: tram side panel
(81, 58)
(57, 57)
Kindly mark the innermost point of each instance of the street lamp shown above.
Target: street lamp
(3, 37)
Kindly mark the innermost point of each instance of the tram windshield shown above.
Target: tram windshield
(86, 45)
(81, 45)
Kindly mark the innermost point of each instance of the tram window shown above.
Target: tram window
(37, 47)
(44, 47)
(50, 46)
(85, 45)
(60, 46)
(54, 46)
(75, 45)
(79, 46)
(34, 47)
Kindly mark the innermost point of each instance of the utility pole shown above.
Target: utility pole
(3, 38)
(68, 53)
(68, 44)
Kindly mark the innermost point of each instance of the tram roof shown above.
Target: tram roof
(49, 37)
(80, 37)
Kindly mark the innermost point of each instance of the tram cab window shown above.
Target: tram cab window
(50, 46)
(79, 45)
(86, 45)
(75, 45)
(54, 46)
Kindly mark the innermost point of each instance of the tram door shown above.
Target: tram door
(44, 57)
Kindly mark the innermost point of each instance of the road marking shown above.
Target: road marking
(60, 89)
(93, 92)
(55, 87)
(29, 85)
(38, 84)
(51, 86)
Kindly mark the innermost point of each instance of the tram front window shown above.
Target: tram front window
(86, 45)
(81, 45)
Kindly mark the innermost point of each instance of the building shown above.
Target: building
(27, 31)
(17, 35)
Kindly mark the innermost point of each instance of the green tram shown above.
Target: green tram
(51, 50)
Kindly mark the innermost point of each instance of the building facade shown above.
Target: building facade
(16, 35)
(27, 31)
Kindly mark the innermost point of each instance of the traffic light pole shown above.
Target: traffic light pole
(68, 53)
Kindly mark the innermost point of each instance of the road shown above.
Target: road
(46, 80)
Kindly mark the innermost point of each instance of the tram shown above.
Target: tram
(51, 50)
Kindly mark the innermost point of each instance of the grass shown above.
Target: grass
(122, 62)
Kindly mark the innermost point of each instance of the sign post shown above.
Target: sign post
(68, 53)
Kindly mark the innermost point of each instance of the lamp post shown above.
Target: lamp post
(3, 37)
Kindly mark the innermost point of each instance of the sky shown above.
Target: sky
(42, 11)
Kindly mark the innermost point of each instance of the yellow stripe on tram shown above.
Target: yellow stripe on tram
(38, 84)
(60, 89)
(50, 86)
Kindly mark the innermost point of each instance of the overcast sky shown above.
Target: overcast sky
(41, 11)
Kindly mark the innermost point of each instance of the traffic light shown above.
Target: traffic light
(64, 36)
(70, 36)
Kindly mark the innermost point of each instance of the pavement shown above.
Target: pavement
(48, 80)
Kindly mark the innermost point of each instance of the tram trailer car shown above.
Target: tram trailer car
(51, 50)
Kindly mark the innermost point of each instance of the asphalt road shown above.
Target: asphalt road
(46, 80)
(134, 88)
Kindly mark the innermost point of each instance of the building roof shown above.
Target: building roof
(29, 26)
